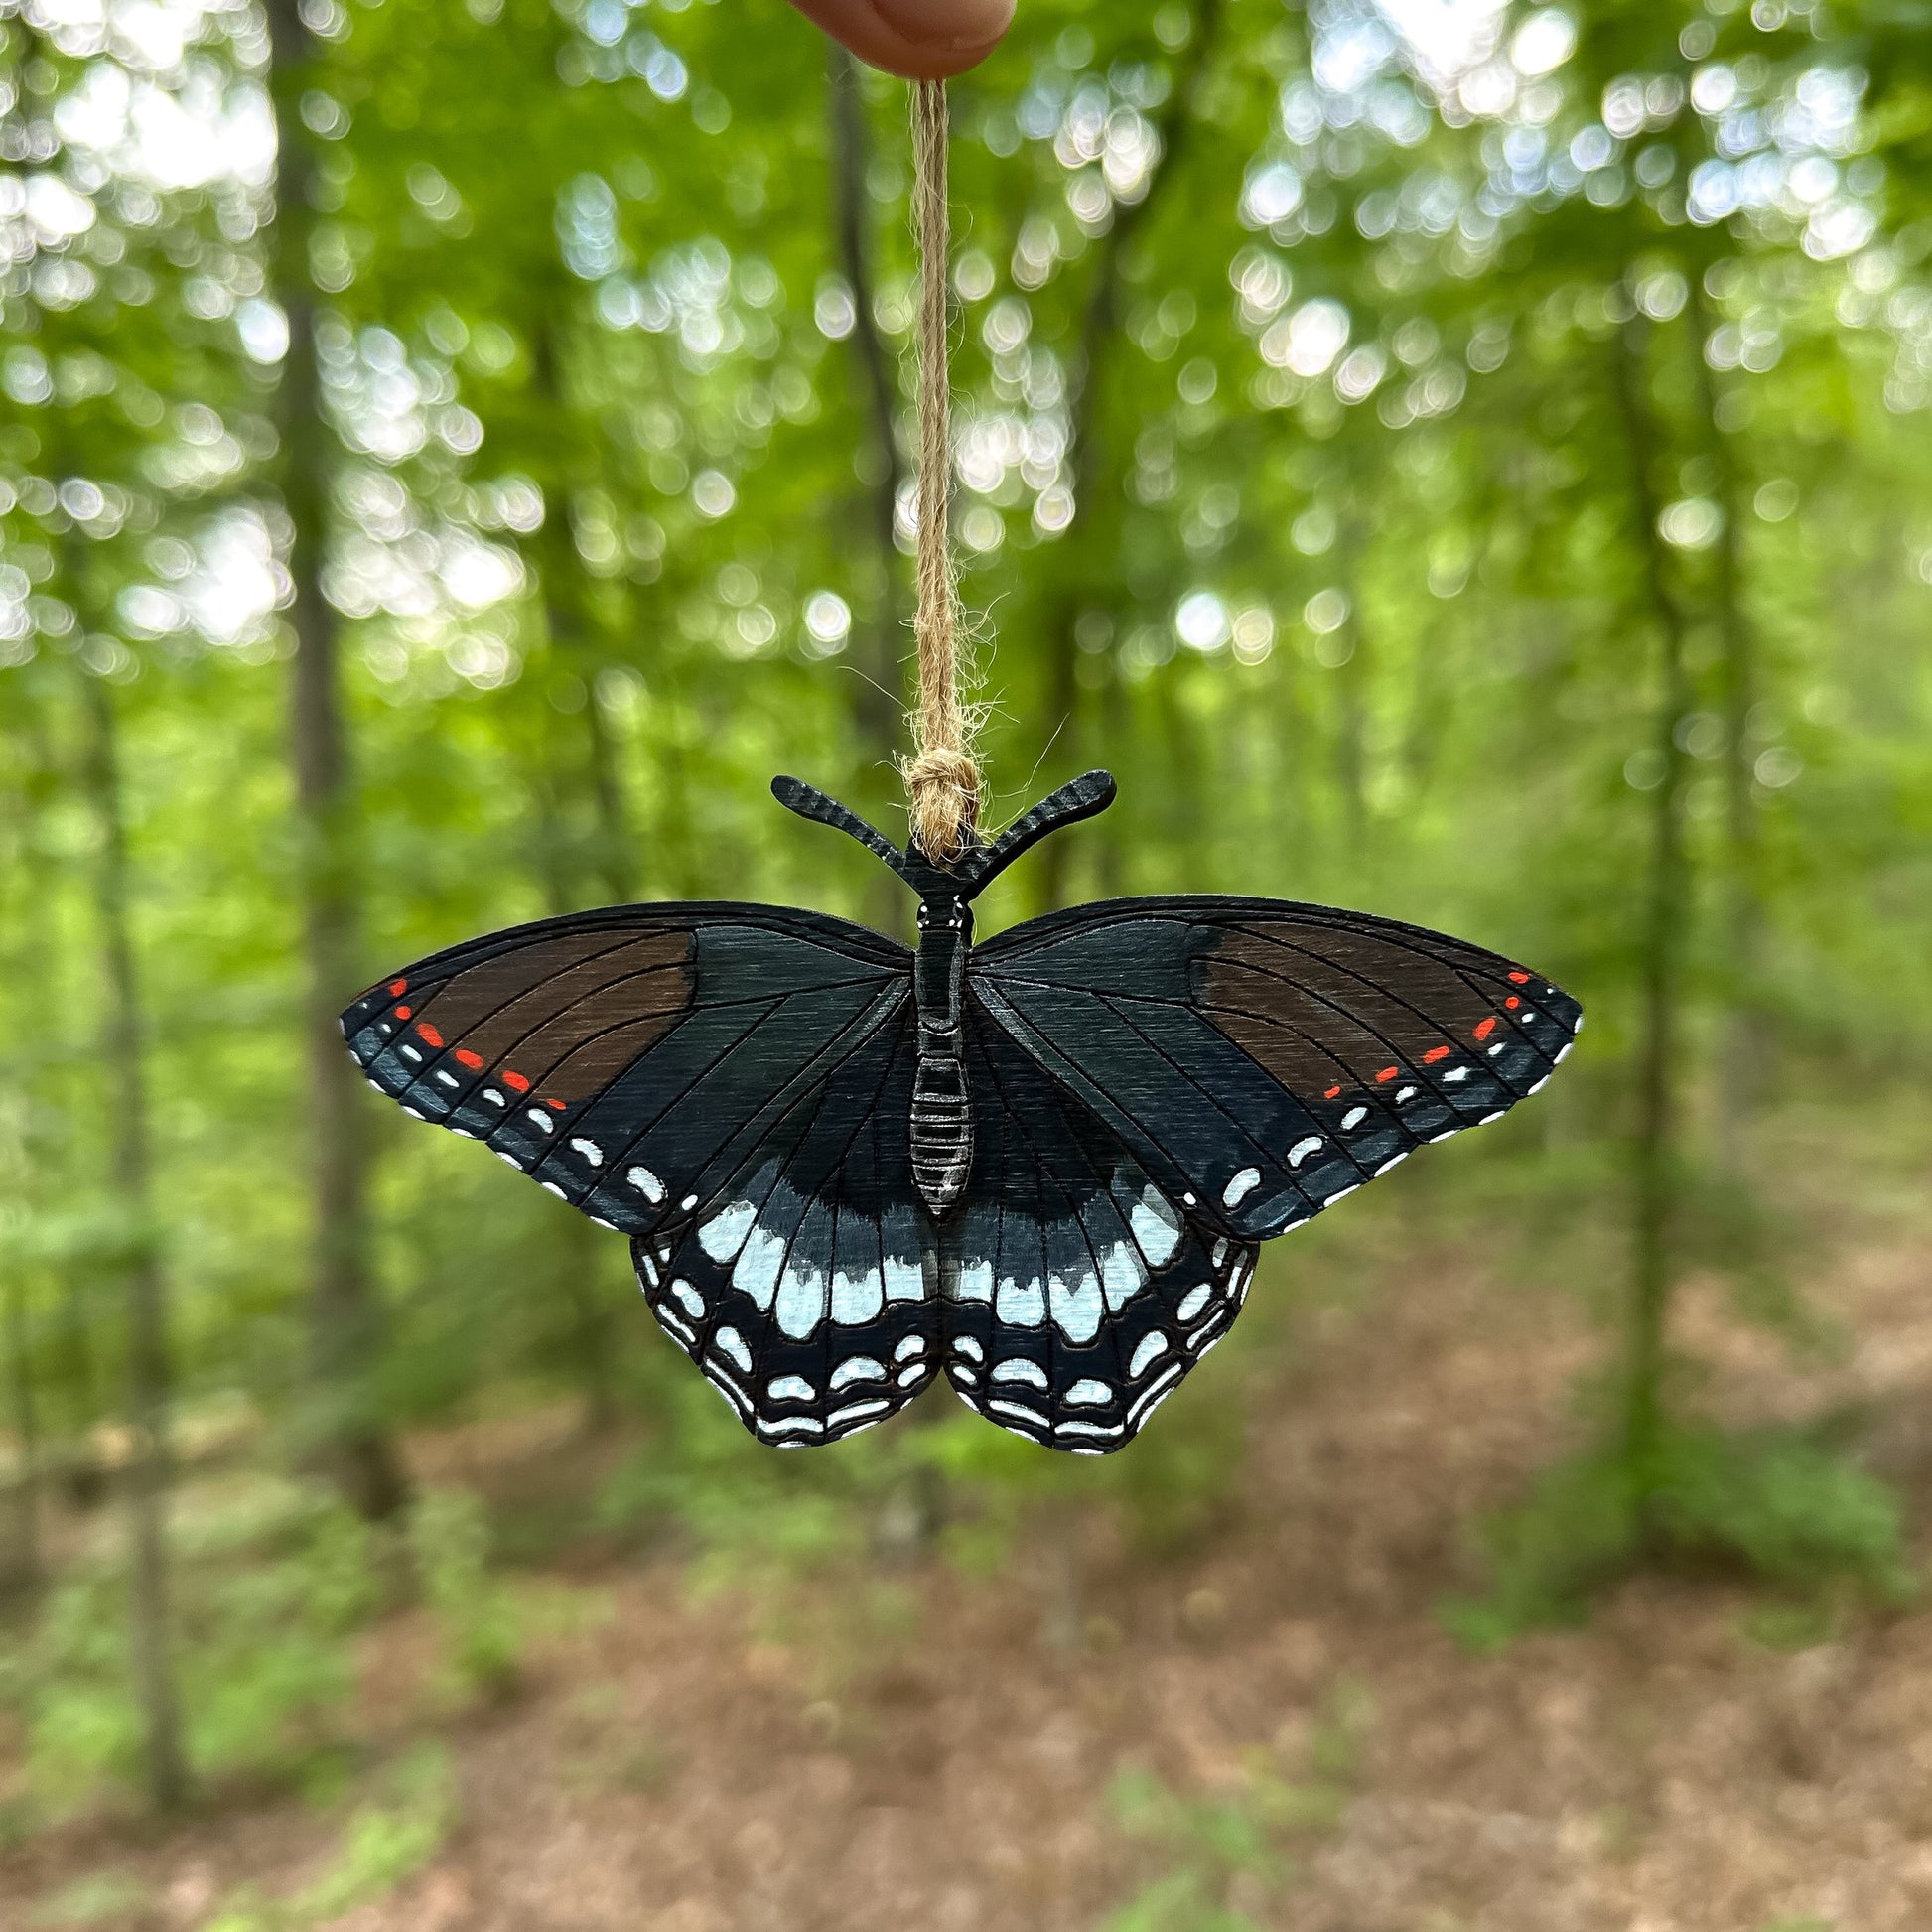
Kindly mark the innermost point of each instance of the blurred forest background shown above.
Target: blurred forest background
(1465, 460)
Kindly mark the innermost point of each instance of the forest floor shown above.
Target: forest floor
(673, 1765)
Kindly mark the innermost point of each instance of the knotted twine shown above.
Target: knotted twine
(941, 777)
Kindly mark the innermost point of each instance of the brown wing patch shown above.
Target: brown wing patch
(1311, 1004)
(569, 1014)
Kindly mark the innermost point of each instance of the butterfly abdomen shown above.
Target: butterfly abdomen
(942, 1130)
(941, 1125)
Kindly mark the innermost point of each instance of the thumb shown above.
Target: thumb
(920, 39)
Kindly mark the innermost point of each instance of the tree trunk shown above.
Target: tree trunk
(348, 1433)
(879, 684)
(1661, 942)
(1100, 337)
(1744, 1041)
(20, 1564)
(570, 626)
(123, 1050)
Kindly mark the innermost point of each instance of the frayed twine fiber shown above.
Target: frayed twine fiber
(941, 777)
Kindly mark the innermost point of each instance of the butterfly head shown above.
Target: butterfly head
(946, 892)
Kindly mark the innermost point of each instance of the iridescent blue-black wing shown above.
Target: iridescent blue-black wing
(1077, 1289)
(706, 1079)
(1264, 1058)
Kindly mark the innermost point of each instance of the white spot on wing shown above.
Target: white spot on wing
(967, 1346)
(1396, 1162)
(1192, 1303)
(755, 1271)
(1021, 1307)
(1156, 1392)
(1353, 1118)
(590, 1151)
(653, 1190)
(1075, 1427)
(857, 1411)
(1076, 1306)
(1089, 1394)
(910, 1346)
(857, 1368)
(1156, 1227)
(1301, 1150)
(911, 1378)
(724, 1234)
(495, 1098)
(789, 1388)
(1153, 1346)
(1020, 1410)
(856, 1299)
(1015, 1368)
(1455, 1076)
(905, 1280)
(542, 1119)
(729, 1341)
(976, 1282)
(689, 1295)
(801, 1298)
(1123, 1274)
(1241, 1187)
(790, 1426)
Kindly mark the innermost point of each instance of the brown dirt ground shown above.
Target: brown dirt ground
(669, 1770)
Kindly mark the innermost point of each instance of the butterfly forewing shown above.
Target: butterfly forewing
(621, 1058)
(1078, 1290)
(1271, 1057)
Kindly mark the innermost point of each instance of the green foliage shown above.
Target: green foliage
(264, 1655)
(476, 1613)
(1777, 1504)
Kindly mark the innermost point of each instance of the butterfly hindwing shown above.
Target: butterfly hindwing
(804, 1287)
(1271, 1057)
(1078, 1291)
(626, 1059)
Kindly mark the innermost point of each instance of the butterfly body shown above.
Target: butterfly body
(1042, 1166)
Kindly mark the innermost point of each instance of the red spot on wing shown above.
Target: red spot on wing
(1436, 1053)
(1331, 1093)
(398, 988)
(1487, 1027)
(467, 1059)
(1387, 1073)
(1513, 1003)
(515, 1081)
(1519, 978)
(403, 1012)
(555, 1106)
(429, 1033)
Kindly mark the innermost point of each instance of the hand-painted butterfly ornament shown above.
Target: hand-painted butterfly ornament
(1044, 1163)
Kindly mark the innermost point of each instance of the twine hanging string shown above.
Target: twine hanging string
(941, 777)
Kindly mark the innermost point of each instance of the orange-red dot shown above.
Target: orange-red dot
(1487, 1027)
(555, 1106)
(1331, 1093)
(467, 1059)
(398, 988)
(1387, 1073)
(429, 1033)
(515, 1081)
(403, 1012)
(1513, 1003)
(1519, 978)
(1433, 1054)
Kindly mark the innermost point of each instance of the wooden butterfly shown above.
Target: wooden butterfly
(1042, 1164)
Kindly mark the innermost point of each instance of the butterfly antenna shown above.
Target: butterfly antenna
(809, 803)
(1085, 797)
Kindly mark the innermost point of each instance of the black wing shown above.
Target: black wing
(626, 1059)
(1078, 1291)
(805, 1287)
(1262, 1060)
(728, 1084)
